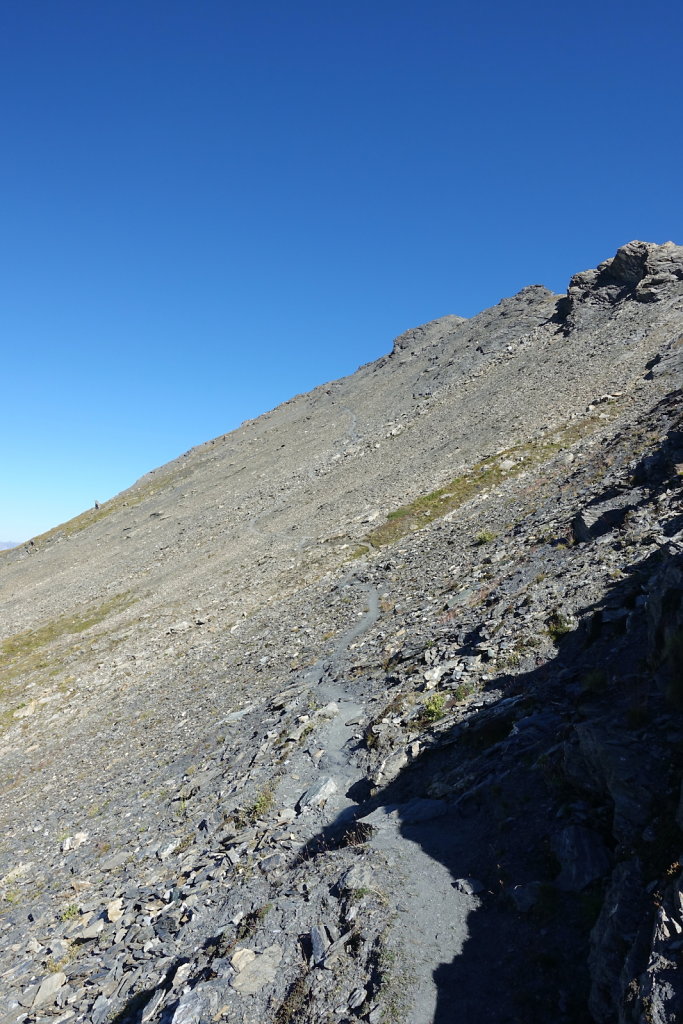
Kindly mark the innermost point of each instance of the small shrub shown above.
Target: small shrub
(558, 626)
(484, 537)
(434, 708)
(262, 804)
(462, 691)
(294, 1003)
(69, 913)
(249, 924)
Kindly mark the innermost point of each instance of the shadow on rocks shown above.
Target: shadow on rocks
(553, 806)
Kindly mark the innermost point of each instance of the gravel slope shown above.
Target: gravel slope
(289, 736)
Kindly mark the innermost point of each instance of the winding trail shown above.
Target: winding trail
(416, 838)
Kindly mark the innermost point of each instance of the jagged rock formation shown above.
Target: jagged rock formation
(370, 709)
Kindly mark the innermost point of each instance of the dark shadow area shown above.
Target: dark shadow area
(564, 784)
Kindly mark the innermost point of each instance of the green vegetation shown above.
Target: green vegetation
(30, 652)
(24, 644)
(428, 507)
(434, 708)
(480, 477)
(463, 690)
(69, 913)
(95, 810)
(261, 805)
(294, 1003)
(558, 626)
(127, 499)
(308, 729)
(249, 924)
(394, 982)
(484, 537)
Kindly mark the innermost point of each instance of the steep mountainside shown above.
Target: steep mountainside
(371, 708)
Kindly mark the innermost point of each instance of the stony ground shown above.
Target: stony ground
(371, 709)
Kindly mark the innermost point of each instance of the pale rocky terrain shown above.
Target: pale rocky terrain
(371, 709)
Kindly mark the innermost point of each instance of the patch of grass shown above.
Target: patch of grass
(480, 477)
(365, 890)
(262, 804)
(291, 1008)
(428, 507)
(306, 732)
(69, 913)
(22, 644)
(484, 537)
(127, 499)
(96, 809)
(558, 625)
(462, 691)
(358, 894)
(392, 982)
(54, 966)
(249, 924)
(185, 843)
(32, 651)
(434, 708)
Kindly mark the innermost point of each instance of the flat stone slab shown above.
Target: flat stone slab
(411, 813)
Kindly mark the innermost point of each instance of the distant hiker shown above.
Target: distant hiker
(97, 505)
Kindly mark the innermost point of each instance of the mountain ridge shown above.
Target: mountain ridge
(344, 638)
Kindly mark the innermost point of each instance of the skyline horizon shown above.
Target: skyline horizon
(4, 545)
(207, 210)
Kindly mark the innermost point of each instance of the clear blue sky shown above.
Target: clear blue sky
(207, 206)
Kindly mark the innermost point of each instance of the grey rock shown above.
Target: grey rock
(101, 1009)
(582, 855)
(318, 794)
(272, 862)
(261, 971)
(469, 886)
(525, 897)
(358, 876)
(594, 520)
(115, 862)
(623, 910)
(356, 998)
(154, 1004)
(48, 989)
(319, 943)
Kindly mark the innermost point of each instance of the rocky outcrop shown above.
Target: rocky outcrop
(435, 333)
(640, 271)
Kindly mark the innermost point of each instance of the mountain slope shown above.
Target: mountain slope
(445, 584)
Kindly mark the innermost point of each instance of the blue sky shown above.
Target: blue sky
(208, 206)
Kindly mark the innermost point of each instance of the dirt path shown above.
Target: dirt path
(430, 926)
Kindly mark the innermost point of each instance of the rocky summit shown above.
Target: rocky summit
(370, 710)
